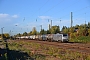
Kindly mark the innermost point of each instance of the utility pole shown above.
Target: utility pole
(49, 26)
(51, 23)
(85, 24)
(71, 20)
(71, 25)
(60, 22)
(2, 32)
(41, 27)
(10, 34)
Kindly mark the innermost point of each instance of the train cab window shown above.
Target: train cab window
(64, 34)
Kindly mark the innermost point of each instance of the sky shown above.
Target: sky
(18, 16)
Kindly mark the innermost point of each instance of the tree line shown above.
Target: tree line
(74, 31)
(52, 30)
(79, 30)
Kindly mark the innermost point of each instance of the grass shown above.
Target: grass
(41, 52)
(82, 39)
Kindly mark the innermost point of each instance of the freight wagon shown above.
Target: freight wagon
(47, 37)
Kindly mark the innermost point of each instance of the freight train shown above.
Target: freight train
(47, 37)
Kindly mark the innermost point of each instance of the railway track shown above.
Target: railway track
(79, 47)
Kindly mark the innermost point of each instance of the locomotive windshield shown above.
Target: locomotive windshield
(64, 34)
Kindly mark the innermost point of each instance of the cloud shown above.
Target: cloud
(7, 17)
(15, 16)
(4, 15)
(44, 17)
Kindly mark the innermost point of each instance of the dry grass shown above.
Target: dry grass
(46, 52)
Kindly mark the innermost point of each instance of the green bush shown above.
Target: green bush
(83, 39)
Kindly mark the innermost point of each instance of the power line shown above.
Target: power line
(82, 8)
(43, 5)
(41, 8)
(52, 7)
(76, 11)
(56, 5)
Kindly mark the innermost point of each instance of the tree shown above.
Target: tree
(89, 25)
(82, 31)
(25, 34)
(85, 32)
(0, 36)
(6, 35)
(43, 31)
(72, 30)
(89, 32)
(48, 32)
(55, 29)
(30, 33)
(34, 31)
(64, 27)
(18, 35)
(66, 30)
(76, 26)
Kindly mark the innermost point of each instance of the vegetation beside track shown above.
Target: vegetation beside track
(45, 52)
(81, 39)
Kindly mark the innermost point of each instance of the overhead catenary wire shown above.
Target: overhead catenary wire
(84, 13)
(43, 5)
(56, 5)
(52, 7)
(79, 11)
(76, 11)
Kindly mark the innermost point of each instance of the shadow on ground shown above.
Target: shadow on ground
(14, 55)
(17, 55)
(74, 42)
(2, 54)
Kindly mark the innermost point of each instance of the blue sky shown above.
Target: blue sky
(24, 13)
